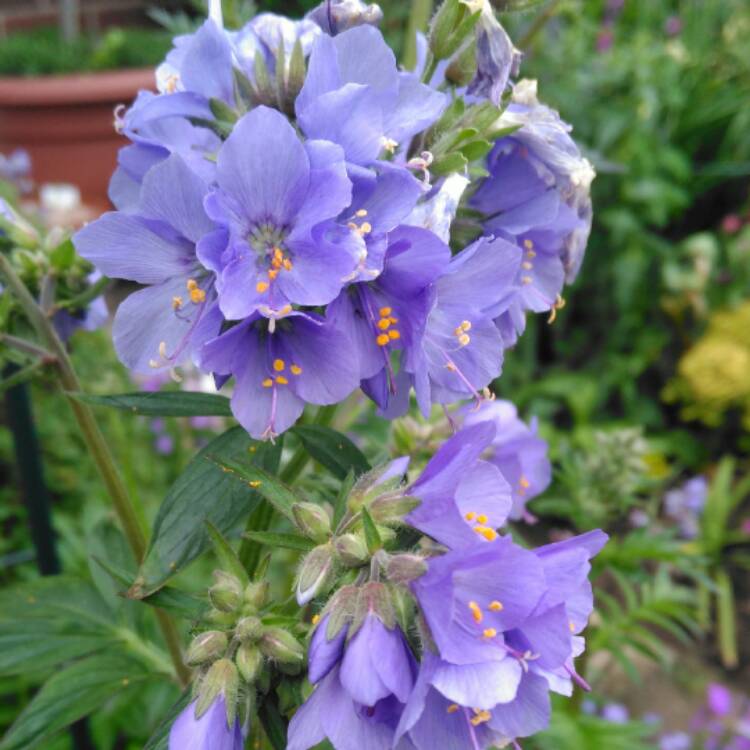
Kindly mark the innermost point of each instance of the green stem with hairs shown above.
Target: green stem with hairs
(96, 444)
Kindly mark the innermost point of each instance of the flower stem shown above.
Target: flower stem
(96, 443)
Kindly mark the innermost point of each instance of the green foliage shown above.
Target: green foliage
(43, 52)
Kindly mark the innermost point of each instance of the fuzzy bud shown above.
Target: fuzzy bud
(312, 521)
(249, 629)
(315, 573)
(405, 568)
(256, 594)
(351, 550)
(393, 507)
(206, 647)
(463, 67)
(249, 661)
(222, 679)
(282, 646)
(226, 593)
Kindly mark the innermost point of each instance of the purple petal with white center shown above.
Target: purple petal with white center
(482, 685)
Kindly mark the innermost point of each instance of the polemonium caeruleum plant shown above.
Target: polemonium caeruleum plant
(304, 218)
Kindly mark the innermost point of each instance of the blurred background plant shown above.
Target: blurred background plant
(641, 385)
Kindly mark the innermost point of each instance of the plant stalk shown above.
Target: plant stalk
(97, 446)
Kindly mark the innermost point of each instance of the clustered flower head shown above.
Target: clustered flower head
(286, 205)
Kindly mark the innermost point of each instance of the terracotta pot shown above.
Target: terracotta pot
(66, 125)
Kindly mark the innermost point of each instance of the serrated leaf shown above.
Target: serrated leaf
(286, 541)
(226, 556)
(162, 403)
(332, 449)
(203, 492)
(269, 487)
(71, 694)
(372, 535)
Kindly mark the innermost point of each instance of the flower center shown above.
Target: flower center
(268, 242)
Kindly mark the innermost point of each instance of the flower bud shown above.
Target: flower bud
(405, 568)
(249, 661)
(393, 507)
(249, 629)
(226, 593)
(312, 521)
(463, 66)
(256, 594)
(222, 679)
(374, 599)
(315, 573)
(206, 647)
(277, 643)
(451, 25)
(351, 550)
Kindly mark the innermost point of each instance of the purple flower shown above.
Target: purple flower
(615, 713)
(685, 505)
(163, 324)
(538, 193)
(354, 95)
(497, 58)
(274, 197)
(336, 16)
(673, 26)
(210, 732)
(517, 450)
(675, 741)
(719, 699)
(279, 367)
(363, 685)
(16, 168)
(463, 499)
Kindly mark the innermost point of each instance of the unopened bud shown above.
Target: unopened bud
(249, 629)
(374, 599)
(351, 550)
(249, 661)
(226, 593)
(312, 521)
(451, 25)
(393, 507)
(282, 646)
(315, 574)
(256, 594)
(405, 568)
(221, 679)
(463, 67)
(206, 647)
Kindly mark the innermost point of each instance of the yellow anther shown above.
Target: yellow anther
(279, 365)
(273, 273)
(385, 311)
(285, 310)
(394, 334)
(163, 349)
(476, 612)
(354, 227)
(267, 383)
(281, 380)
(466, 325)
(296, 370)
(361, 213)
(393, 320)
(197, 296)
(526, 265)
(482, 519)
(383, 339)
(572, 626)
(496, 606)
(464, 339)
(489, 633)
(287, 264)
(452, 708)
(192, 284)
(176, 302)
(390, 145)
(261, 286)
(278, 253)
(489, 534)
(526, 280)
(365, 228)
(524, 483)
(451, 367)
(315, 619)
(528, 244)
(481, 718)
(531, 254)
(384, 324)
(471, 515)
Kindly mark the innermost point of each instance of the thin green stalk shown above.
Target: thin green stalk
(82, 300)
(22, 375)
(96, 443)
(539, 23)
(421, 10)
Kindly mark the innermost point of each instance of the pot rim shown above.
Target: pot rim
(74, 88)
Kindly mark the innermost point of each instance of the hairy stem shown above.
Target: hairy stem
(96, 444)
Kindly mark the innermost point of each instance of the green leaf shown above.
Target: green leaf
(63, 255)
(226, 556)
(70, 695)
(286, 541)
(332, 449)
(476, 150)
(372, 535)
(204, 492)
(339, 509)
(266, 485)
(159, 740)
(162, 403)
(273, 723)
(455, 162)
(726, 622)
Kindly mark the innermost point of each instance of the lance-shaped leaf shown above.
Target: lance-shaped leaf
(284, 541)
(203, 492)
(332, 449)
(162, 403)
